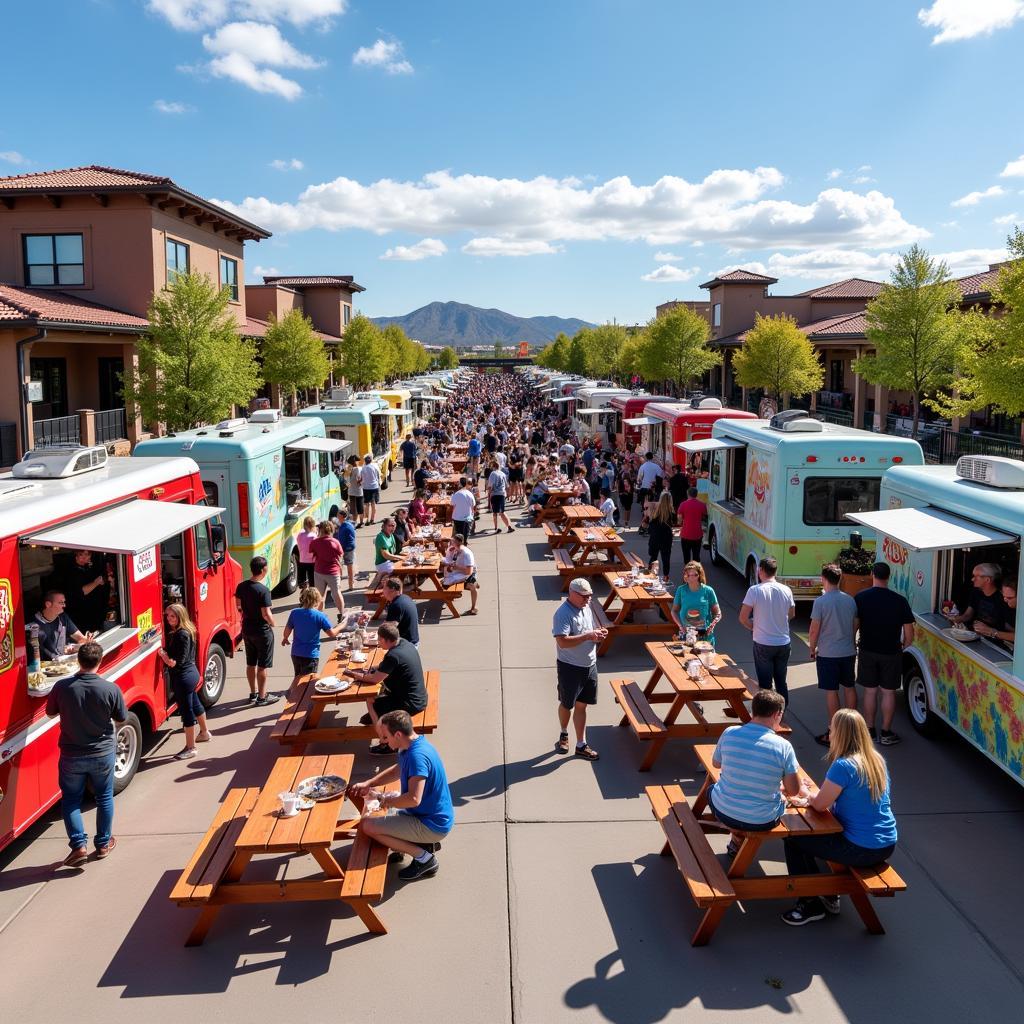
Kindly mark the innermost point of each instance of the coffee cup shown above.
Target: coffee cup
(289, 804)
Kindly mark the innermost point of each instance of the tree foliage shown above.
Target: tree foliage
(448, 359)
(603, 345)
(363, 360)
(576, 360)
(293, 355)
(675, 347)
(778, 357)
(401, 355)
(193, 366)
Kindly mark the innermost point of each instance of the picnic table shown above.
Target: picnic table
(571, 516)
(441, 507)
(443, 482)
(715, 889)
(723, 683)
(457, 462)
(558, 500)
(440, 541)
(248, 824)
(424, 582)
(458, 447)
(634, 597)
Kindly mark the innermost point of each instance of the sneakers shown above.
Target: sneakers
(511, 529)
(76, 858)
(396, 857)
(831, 904)
(270, 698)
(873, 733)
(416, 870)
(204, 739)
(381, 750)
(253, 697)
(187, 754)
(103, 851)
(587, 752)
(888, 738)
(806, 911)
(823, 740)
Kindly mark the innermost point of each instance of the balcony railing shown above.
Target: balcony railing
(57, 431)
(111, 425)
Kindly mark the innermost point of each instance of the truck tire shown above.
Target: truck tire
(214, 676)
(385, 479)
(290, 583)
(716, 555)
(922, 718)
(751, 573)
(127, 751)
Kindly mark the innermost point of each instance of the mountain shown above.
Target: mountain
(456, 324)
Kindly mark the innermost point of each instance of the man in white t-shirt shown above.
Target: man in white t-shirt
(463, 503)
(370, 478)
(497, 488)
(460, 567)
(646, 475)
(766, 612)
(566, 453)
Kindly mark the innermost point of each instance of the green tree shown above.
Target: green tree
(399, 352)
(193, 366)
(576, 357)
(604, 344)
(363, 361)
(922, 339)
(778, 357)
(448, 358)
(675, 347)
(294, 356)
(556, 355)
(628, 362)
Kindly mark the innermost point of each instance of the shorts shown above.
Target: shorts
(642, 495)
(408, 463)
(410, 828)
(576, 684)
(885, 670)
(348, 557)
(835, 672)
(515, 476)
(384, 567)
(259, 649)
(497, 503)
(305, 666)
(371, 495)
(355, 504)
(462, 528)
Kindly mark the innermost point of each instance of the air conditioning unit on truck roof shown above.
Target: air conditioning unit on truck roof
(795, 421)
(59, 462)
(992, 470)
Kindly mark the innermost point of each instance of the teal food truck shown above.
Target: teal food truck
(935, 524)
(269, 472)
(783, 487)
(367, 424)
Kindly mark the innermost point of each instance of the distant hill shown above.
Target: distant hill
(456, 324)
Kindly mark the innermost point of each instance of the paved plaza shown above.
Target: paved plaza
(551, 903)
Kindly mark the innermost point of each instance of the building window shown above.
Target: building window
(229, 275)
(347, 312)
(54, 259)
(177, 259)
(716, 315)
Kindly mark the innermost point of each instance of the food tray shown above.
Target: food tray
(322, 787)
(333, 684)
(965, 636)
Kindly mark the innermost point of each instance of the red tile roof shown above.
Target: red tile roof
(979, 284)
(255, 328)
(850, 288)
(739, 277)
(847, 325)
(44, 308)
(316, 281)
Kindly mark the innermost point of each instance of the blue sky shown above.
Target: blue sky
(585, 158)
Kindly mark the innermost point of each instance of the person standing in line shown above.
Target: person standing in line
(179, 655)
(497, 488)
(307, 622)
(355, 490)
(691, 513)
(253, 601)
(646, 477)
(677, 486)
(346, 537)
(463, 503)
(303, 539)
(660, 532)
(327, 558)
(473, 449)
(90, 707)
(576, 638)
(408, 450)
(626, 491)
(832, 643)
(886, 631)
(370, 478)
(766, 612)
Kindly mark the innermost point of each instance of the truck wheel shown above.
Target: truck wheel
(751, 573)
(127, 751)
(923, 719)
(291, 582)
(214, 676)
(385, 480)
(716, 555)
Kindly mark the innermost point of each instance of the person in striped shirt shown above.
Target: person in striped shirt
(757, 767)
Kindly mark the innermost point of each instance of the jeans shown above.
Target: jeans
(73, 773)
(770, 663)
(803, 853)
(183, 686)
(691, 549)
(325, 583)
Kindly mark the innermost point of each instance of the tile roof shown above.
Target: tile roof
(847, 325)
(82, 177)
(979, 284)
(255, 328)
(850, 288)
(739, 276)
(39, 307)
(316, 281)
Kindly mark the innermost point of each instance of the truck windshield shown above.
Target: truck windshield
(827, 499)
(380, 438)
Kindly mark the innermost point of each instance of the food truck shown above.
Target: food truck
(593, 415)
(934, 524)
(145, 526)
(366, 423)
(631, 406)
(664, 425)
(783, 487)
(269, 472)
(399, 412)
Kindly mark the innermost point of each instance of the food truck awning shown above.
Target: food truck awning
(928, 529)
(708, 444)
(127, 529)
(566, 398)
(430, 398)
(641, 421)
(593, 412)
(398, 412)
(331, 445)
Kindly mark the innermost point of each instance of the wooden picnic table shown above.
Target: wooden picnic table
(457, 462)
(441, 507)
(441, 541)
(724, 683)
(554, 508)
(590, 544)
(423, 583)
(571, 516)
(249, 825)
(459, 447)
(715, 890)
(446, 480)
(633, 598)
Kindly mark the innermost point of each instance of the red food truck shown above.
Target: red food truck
(631, 407)
(669, 423)
(69, 515)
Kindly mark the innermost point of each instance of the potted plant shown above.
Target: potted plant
(856, 566)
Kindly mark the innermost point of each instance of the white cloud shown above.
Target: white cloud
(864, 167)
(239, 68)
(836, 172)
(192, 15)
(12, 156)
(1014, 169)
(509, 247)
(255, 274)
(728, 207)
(261, 44)
(171, 107)
(1007, 218)
(287, 165)
(954, 20)
(383, 54)
(666, 272)
(949, 224)
(973, 198)
(864, 179)
(970, 261)
(667, 257)
(422, 250)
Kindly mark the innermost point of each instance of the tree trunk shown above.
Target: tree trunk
(917, 413)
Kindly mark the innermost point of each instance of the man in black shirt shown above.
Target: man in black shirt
(253, 600)
(87, 592)
(886, 630)
(89, 706)
(986, 604)
(401, 610)
(401, 674)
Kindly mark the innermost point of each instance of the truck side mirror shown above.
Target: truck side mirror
(219, 539)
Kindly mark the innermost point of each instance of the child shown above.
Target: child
(307, 622)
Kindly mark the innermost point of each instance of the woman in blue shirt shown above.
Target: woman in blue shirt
(856, 791)
(307, 622)
(695, 603)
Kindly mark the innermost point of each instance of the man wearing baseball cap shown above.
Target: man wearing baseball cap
(576, 638)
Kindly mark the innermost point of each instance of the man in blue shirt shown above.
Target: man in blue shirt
(408, 450)
(419, 815)
(473, 457)
(345, 535)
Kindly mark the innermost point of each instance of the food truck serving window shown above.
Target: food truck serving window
(829, 499)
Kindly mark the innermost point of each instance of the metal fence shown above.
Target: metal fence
(111, 425)
(59, 430)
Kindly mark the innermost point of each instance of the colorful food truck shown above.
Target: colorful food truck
(664, 425)
(631, 406)
(784, 487)
(367, 424)
(593, 415)
(269, 472)
(144, 525)
(399, 413)
(934, 525)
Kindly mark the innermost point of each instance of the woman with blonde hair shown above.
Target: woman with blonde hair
(856, 791)
(660, 533)
(696, 604)
(307, 622)
(179, 655)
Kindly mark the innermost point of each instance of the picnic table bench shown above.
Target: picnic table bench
(248, 824)
(426, 572)
(559, 532)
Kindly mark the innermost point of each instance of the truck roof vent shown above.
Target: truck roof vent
(265, 416)
(227, 427)
(341, 394)
(60, 461)
(991, 470)
(795, 421)
(700, 402)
